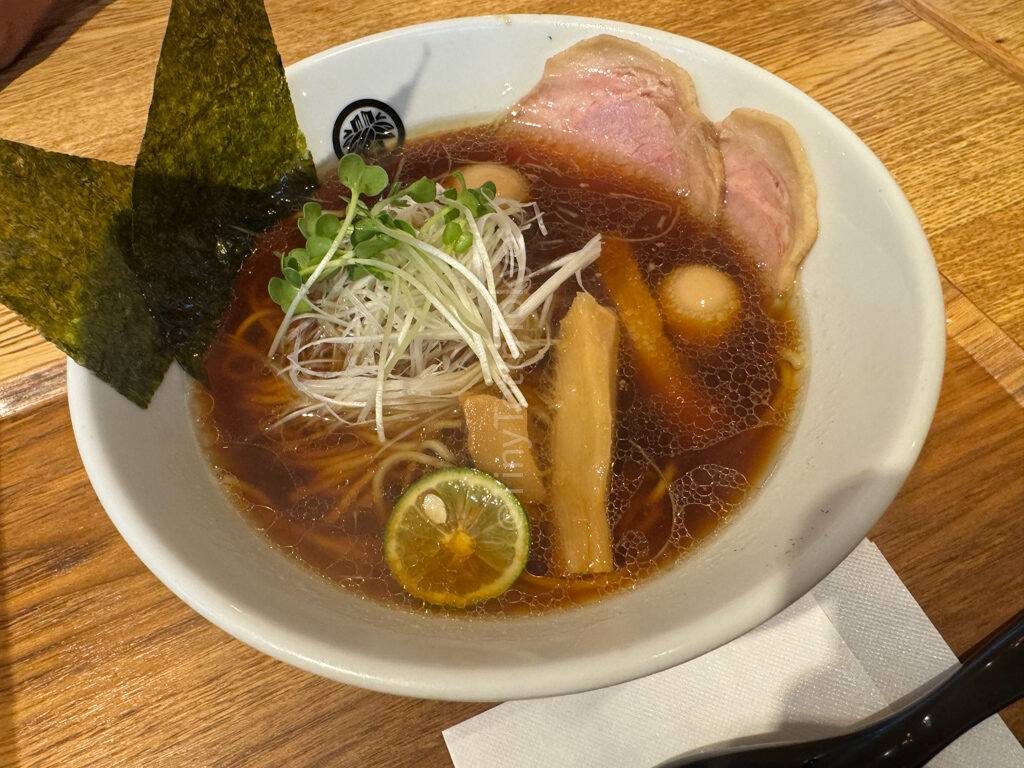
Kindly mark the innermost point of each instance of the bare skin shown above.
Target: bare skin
(19, 21)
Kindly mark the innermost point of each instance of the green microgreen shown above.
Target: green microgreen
(422, 191)
(360, 178)
(370, 231)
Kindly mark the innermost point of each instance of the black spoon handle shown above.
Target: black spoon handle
(992, 678)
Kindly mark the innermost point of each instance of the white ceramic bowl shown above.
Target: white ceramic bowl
(875, 334)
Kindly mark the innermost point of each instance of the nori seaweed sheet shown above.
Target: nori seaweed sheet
(124, 269)
(222, 159)
(65, 232)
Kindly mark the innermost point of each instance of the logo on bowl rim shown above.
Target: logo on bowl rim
(367, 123)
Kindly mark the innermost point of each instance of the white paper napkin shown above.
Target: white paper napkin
(856, 644)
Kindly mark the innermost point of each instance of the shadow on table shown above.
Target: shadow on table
(65, 18)
(794, 731)
(805, 699)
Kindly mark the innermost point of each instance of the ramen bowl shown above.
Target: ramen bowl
(873, 330)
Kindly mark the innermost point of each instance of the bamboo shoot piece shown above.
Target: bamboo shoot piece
(582, 434)
(655, 356)
(500, 444)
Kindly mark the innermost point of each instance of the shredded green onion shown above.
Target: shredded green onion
(400, 307)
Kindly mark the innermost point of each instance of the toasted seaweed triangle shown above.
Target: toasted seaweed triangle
(222, 158)
(65, 231)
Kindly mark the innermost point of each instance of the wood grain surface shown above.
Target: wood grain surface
(100, 665)
(986, 28)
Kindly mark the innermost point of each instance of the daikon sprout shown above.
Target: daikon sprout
(399, 307)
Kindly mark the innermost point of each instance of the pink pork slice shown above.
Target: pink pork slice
(770, 196)
(623, 105)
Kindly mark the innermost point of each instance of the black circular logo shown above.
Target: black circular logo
(365, 124)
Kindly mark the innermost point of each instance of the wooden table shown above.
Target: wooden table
(100, 665)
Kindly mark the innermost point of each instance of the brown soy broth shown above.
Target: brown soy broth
(670, 487)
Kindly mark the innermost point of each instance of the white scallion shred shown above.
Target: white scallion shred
(425, 324)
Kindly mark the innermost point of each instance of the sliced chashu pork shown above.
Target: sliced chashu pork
(770, 196)
(621, 104)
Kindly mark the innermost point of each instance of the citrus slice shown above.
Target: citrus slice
(457, 537)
